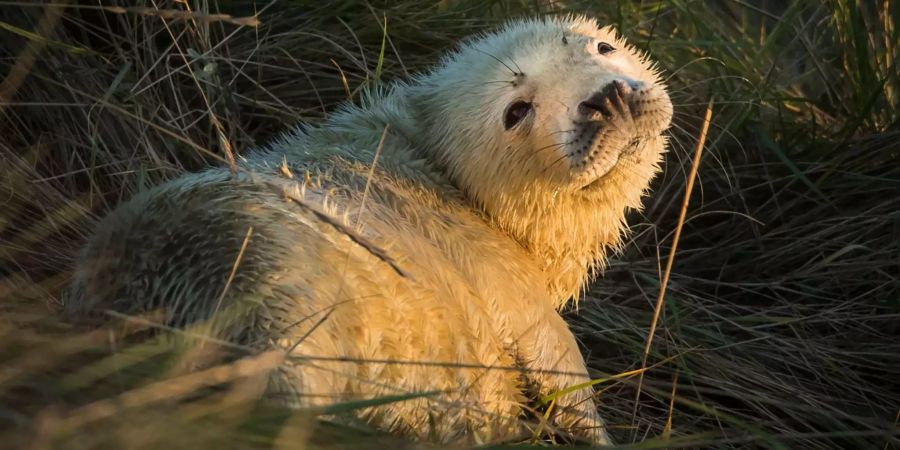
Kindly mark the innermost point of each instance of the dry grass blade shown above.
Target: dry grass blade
(291, 192)
(234, 268)
(174, 14)
(667, 430)
(369, 177)
(163, 13)
(695, 165)
(171, 389)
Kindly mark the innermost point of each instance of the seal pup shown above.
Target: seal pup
(422, 241)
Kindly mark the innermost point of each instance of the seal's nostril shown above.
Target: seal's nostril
(608, 100)
(628, 85)
(599, 102)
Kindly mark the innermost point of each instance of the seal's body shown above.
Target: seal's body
(420, 242)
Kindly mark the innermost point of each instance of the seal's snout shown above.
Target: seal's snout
(612, 100)
(611, 122)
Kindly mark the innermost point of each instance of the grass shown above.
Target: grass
(780, 322)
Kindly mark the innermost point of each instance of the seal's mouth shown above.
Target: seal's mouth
(613, 161)
(598, 147)
(612, 124)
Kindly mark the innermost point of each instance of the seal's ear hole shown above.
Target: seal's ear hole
(604, 49)
(515, 113)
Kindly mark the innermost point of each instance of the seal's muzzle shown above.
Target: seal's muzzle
(613, 100)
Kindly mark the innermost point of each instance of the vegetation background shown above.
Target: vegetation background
(780, 324)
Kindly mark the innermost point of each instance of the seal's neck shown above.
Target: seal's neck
(570, 235)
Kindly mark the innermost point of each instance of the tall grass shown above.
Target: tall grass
(780, 322)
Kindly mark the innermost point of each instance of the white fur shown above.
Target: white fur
(493, 230)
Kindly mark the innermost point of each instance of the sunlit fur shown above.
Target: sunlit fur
(527, 193)
(492, 229)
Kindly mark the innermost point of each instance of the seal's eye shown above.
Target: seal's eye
(604, 49)
(515, 113)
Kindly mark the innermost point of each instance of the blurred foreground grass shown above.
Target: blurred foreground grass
(780, 328)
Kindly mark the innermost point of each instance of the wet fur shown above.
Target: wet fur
(490, 235)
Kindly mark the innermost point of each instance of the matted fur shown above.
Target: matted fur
(489, 232)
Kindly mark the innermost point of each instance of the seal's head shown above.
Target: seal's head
(554, 127)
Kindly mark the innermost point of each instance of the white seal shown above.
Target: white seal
(422, 241)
